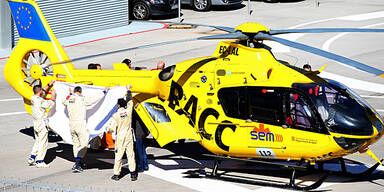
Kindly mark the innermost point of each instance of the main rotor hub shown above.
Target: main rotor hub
(251, 28)
(36, 71)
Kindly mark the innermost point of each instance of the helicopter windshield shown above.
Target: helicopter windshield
(341, 109)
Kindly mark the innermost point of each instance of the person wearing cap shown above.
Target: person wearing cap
(128, 63)
(39, 105)
(121, 125)
(76, 105)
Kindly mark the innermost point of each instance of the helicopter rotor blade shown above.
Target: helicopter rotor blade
(324, 30)
(326, 54)
(236, 35)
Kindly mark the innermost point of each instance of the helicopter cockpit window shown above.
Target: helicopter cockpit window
(339, 110)
(265, 105)
(157, 112)
(167, 73)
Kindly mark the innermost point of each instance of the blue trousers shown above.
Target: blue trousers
(141, 155)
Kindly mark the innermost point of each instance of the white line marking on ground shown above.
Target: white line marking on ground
(12, 99)
(199, 184)
(362, 17)
(372, 96)
(379, 110)
(313, 22)
(328, 43)
(278, 48)
(13, 113)
(166, 162)
(354, 83)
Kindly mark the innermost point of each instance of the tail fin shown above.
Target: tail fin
(37, 45)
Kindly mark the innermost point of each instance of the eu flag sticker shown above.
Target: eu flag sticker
(28, 22)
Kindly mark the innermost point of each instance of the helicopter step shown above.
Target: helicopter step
(225, 177)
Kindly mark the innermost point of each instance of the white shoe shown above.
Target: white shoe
(42, 165)
(31, 161)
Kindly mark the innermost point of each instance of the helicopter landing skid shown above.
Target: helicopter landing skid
(231, 178)
(344, 171)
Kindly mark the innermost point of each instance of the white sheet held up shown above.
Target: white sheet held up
(98, 115)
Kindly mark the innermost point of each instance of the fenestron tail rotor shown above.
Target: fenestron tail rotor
(33, 60)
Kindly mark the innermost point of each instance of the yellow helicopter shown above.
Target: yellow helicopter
(241, 102)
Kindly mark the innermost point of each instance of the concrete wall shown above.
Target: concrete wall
(5, 25)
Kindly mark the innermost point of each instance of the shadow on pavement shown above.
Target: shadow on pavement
(187, 7)
(189, 155)
(217, 7)
(52, 137)
(164, 17)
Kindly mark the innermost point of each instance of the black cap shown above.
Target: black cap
(122, 102)
(127, 61)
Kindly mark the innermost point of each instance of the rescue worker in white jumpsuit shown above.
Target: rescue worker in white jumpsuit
(121, 125)
(39, 106)
(76, 105)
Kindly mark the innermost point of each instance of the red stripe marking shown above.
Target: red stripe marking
(68, 97)
(164, 26)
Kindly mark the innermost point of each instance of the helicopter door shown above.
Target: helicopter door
(302, 127)
(300, 114)
(264, 122)
(163, 123)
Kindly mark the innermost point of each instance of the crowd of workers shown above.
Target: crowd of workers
(128, 128)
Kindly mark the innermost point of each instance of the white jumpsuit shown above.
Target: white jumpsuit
(39, 116)
(121, 125)
(76, 106)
